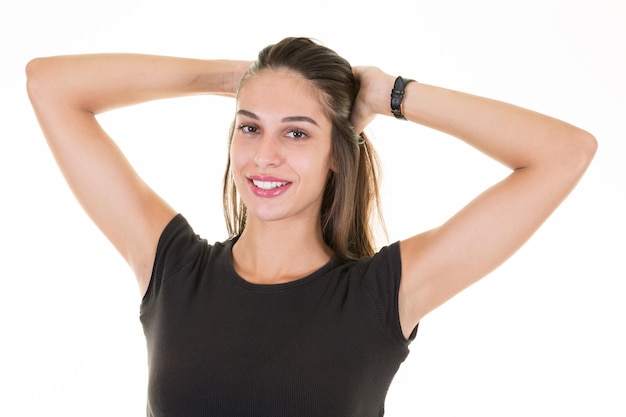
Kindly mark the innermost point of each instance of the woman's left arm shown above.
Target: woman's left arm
(547, 158)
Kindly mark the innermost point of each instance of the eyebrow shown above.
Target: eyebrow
(285, 119)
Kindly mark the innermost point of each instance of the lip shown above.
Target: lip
(274, 192)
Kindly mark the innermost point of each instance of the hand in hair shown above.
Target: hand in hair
(373, 96)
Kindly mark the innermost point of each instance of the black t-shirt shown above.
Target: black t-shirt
(325, 345)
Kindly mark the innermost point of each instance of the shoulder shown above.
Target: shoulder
(180, 247)
(175, 242)
(381, 275)
(385, 263)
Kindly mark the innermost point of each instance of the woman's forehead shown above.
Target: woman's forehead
(280, 89)
(280, 77)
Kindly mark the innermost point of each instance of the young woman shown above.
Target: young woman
(297, 314)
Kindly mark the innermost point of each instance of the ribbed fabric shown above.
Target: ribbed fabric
(328, 344)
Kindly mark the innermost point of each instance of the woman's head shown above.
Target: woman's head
(351, 187)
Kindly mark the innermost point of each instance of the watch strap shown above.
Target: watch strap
(397, 95)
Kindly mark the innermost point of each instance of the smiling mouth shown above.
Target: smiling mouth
(268, 185)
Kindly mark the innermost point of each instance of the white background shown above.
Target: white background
(544, 335)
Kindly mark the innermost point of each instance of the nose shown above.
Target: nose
(268, 152)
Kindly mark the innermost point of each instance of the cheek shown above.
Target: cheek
(317, 167)
(238, 155)
(237, 162)
(327, 159)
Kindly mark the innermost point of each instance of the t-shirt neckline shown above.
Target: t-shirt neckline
(332, 263)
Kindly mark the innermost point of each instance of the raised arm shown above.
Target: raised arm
(547, 158)
(67, 92)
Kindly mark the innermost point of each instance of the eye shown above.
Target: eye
(247, 129)
(297, 134)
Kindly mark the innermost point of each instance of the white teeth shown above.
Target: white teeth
(268, 185)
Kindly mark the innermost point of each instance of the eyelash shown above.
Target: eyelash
(301, 133)
(243, 129)
(294, 133)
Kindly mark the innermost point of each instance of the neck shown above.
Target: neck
(280, 251)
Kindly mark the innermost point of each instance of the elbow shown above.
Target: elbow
(584, 146)
(38, 74)
(33, 65)
(570, 155)
(33, 77)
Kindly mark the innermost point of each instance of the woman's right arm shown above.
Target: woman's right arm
(67, 92)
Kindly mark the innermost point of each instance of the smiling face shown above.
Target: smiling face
(281, 147)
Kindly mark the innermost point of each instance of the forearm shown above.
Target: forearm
(100, 82)
(516, 137)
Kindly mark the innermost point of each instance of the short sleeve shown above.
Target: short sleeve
(382, 278)
(176, 246)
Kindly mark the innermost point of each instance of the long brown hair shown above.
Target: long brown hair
(351, 196)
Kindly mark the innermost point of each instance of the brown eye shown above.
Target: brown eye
(248, 129)
(297, 134)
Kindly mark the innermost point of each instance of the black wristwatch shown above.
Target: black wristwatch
(397, 94)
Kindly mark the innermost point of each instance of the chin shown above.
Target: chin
(266, 214)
